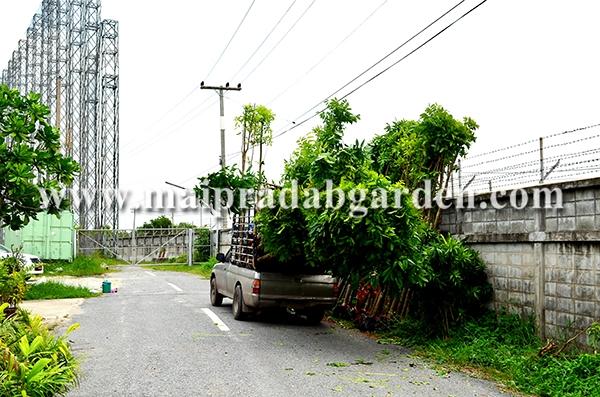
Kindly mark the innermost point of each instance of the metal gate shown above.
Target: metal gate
(138, 246)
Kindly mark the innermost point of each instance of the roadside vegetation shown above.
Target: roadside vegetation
(34, 361)
(82, 266)
(55, 290)
(397, 271)
(504, 347)
(202, 269)
(390, 258)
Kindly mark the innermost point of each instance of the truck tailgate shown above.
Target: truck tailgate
(275, 286)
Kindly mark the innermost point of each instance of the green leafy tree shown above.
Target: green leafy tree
(30, 159)
(161, 222)
(255, 128)
(414, 151)
(185, 225)
(212, 188)
(392, 247)
(379, 245)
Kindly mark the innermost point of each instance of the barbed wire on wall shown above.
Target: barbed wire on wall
(557, 157)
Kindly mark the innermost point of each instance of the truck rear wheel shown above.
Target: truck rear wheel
(314, 316)
(238, 303)
(216, 299)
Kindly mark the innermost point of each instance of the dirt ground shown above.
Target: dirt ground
(55, 312)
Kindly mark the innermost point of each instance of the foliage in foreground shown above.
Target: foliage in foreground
(35, 363)
(506, 348)
(30, 159)
(81, 266)
(54, 290)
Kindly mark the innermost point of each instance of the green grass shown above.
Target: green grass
(54, 290)
(505, 348)
(82, 266)
(200, 269)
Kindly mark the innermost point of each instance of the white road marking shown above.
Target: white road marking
(176, 288)
(218, 322)
(150, 273)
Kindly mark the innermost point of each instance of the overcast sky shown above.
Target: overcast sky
(521, 69)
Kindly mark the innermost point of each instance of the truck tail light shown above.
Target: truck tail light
(256, 286)
(336, 289)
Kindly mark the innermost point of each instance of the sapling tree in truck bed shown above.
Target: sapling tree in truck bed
(253, 278)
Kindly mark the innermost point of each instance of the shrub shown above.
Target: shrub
(12, 281)
(456, 287)
(35, 363)
(202, 245)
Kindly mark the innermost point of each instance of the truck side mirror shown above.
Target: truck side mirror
(221, 257)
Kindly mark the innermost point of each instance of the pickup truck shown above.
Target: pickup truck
(253, 291)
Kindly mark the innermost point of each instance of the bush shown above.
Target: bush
(12, 281)
(35, 363)
(457, 285)
(202, 245)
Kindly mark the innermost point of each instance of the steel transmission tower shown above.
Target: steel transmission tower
(71, 58)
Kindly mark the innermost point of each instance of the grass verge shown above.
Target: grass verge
(200, 269)
(82, 266)
(504, 348)
(54, 290)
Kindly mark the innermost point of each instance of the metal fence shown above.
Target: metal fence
(138, 246)
(220, 241)
(558, 157)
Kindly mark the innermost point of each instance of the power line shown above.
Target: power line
(230, 40)
(413, 51)
(264, 40)
(189, 94)
(280, 40)
(329, 53)
(165, 114)
(384, 58)
(176, 126)
(159, 133)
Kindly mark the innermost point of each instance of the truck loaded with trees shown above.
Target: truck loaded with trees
(390, 259)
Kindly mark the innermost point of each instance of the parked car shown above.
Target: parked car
(31, 263)
(309, 295)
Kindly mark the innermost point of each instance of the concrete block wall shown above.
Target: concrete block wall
(541, 261)
(512, 275)
(571, 285)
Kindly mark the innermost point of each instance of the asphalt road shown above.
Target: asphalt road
(155, 337)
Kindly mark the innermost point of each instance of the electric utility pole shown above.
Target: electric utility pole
(220, 90)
